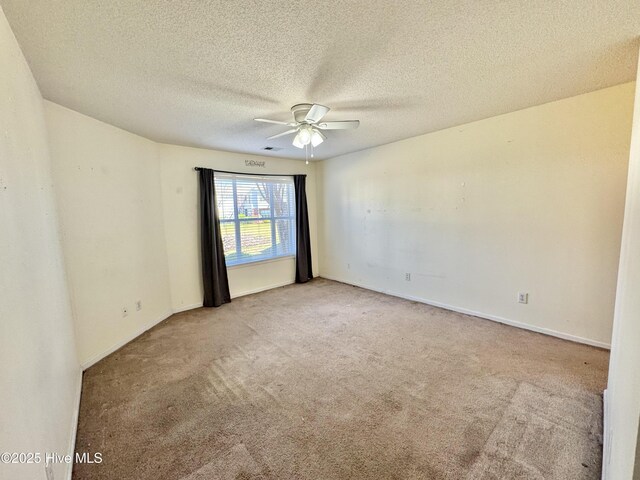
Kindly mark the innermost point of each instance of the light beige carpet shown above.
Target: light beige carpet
(327, 381)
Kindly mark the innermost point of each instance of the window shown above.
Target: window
(257, 217)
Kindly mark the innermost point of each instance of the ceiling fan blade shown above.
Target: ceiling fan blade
(277, 122)
(316, 113)
(346, 125)
(288, 132)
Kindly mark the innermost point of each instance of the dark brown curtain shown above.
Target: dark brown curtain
(303, 239)
(214, 267)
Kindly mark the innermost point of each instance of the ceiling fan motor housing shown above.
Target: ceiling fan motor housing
(300, 111)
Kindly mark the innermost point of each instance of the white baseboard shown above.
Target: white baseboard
(96, 358)
(121, 343)
(487, 316)
(262, 289)
(184, 308)
(74, 425)
(606, 435)
(238, 295)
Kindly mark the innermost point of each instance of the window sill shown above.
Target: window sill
(260, 262)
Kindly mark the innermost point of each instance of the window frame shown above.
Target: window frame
(237, 220)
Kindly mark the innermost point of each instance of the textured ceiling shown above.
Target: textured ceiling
(197, 72)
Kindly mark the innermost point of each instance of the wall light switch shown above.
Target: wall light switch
(523, 297)
(139, 305)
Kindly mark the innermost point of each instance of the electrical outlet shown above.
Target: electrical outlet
(139, 305)
(125, 311)
(523, 297)
(407, 277)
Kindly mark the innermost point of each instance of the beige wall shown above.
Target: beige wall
(636, 469)
(129, 218)
(623, 392)
(180, 198)
(39, 371)
(108, 187)
(530, 201)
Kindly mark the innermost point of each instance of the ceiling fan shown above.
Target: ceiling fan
(308, 125)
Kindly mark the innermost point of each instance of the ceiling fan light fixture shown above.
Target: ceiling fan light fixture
(296, 141)
(317, 138)
(304, 136)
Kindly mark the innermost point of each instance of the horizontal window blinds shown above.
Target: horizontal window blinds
(257, 217)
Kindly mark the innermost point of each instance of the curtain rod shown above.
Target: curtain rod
(197, 169)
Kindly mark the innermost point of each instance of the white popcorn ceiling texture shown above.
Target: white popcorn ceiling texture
(197, 72)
